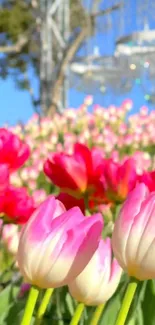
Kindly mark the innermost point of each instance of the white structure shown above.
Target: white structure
(54, 31)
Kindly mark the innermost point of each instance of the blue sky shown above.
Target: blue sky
(15, 105)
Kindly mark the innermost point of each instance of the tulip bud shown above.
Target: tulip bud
(133, 238)
(100, 278)
(25, 287)
(56, 245)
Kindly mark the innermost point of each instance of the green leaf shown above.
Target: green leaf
(148, 305)
(135, 308)
(111, 310)
(69, 303)
(14, 313)
(152, 285)
(7, 297)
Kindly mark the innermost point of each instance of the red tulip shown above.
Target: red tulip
(13, 151)
(4, 177)
(70, 201)
(76, 174)
(148, 178)
(118, 179)
(17, 205)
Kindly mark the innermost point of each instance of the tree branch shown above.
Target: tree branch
(61, 73)
(16, 48)
(70, 53)
(107, 11)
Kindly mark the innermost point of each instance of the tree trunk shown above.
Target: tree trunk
(70, 53)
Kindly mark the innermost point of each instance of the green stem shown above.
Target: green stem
(126, 302)
(86, 202)
(43, 306)
(78, 313)
(58, 308)
(30, 305)
(97, 314)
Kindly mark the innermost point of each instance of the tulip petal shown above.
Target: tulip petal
(147, 267)
(41, 220)
(124, 223)
(143, 226)
(78, 249)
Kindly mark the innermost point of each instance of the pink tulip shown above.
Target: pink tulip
(15, 179)
(144, 111)
(88, 100)
(133, 238)
(127, 104)
(13, 151)
(39, 196)
(143, 162)
(56, 245)
(10, 236)
(100, 278)
(123, 129)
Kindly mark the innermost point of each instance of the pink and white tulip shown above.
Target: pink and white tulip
(133, 238)
(100, 278)
(10, 237)
(56, 245)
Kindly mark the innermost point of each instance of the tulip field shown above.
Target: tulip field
(77, 218)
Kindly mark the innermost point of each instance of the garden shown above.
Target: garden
(77, 217)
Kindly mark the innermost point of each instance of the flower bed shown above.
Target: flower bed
(77, 207)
